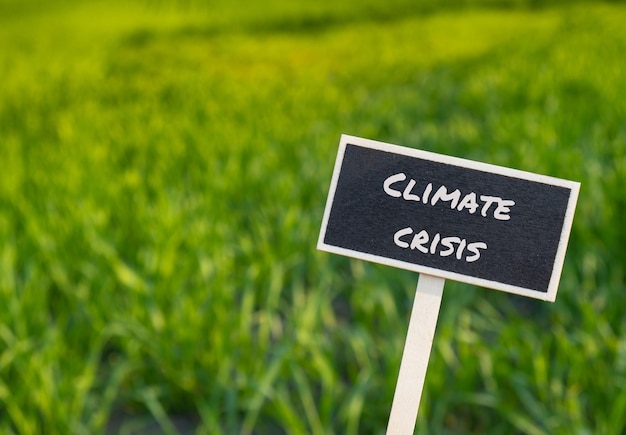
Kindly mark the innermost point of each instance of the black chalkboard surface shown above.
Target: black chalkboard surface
(449, 217)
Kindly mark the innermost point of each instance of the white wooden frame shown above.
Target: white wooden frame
(574, 187)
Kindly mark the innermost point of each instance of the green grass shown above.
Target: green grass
(163, 173)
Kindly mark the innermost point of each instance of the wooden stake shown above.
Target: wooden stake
(419, 340)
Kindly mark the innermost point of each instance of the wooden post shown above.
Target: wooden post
(419, 340)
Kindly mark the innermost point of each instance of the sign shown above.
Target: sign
(444, 217)
(449, 217)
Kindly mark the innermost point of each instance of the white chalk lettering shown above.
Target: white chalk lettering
(392, 180)
(401, 233)
(442, 194)
(504, 207)
(429, 188)
(488, 200)
(474, 249)
(394, 186)
(451, 245)
(435, 242)
(407, 192)
(448, 243)
(469, 202)
(459, 250)
(419, 240)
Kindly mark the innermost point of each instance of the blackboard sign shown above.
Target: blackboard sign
(444, 216)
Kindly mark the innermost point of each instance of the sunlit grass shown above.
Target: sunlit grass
(163, 170)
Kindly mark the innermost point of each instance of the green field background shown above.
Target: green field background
(163, 172)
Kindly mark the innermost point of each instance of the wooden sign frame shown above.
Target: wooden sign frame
(399, 184)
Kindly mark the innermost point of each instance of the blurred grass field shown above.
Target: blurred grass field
(163, 172)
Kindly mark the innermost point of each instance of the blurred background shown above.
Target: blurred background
(164, 167)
